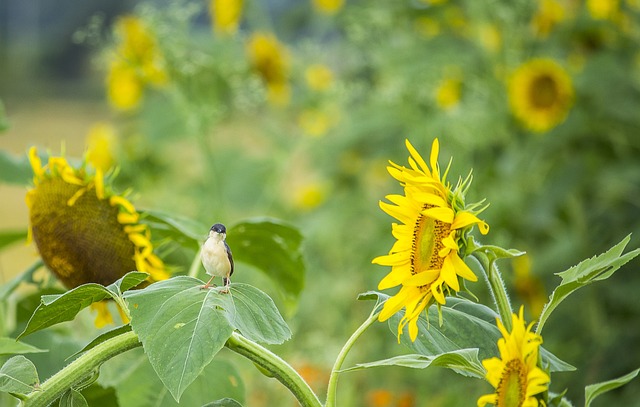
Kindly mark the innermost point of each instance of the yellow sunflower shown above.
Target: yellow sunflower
(515, 374)
(136, 62)
(84, 232)
(226, 15)
(425, 260)
(540, 94)
(270, 59)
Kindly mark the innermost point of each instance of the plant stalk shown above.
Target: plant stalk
(335, 371)
(497, 288)
(82, 367)
(278, 368)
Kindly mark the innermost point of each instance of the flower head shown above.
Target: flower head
(515, 374)
(327, 7)
(137, 62)
(84, 232)
(226, 15)
(270, 59)
(425, 259)
(540, 94)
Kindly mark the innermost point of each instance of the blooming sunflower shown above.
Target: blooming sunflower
(515, 375)
(270, 59)
(226, 15)
(136, 62)
(425, 260)
(540, 94)
(84, 232)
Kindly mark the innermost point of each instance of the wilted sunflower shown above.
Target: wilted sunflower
(425, 259)
(540, 94)
(84, 232)
(515, 374)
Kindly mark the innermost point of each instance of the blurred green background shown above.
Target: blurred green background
(294, 113)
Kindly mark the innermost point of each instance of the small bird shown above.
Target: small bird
(216, 256)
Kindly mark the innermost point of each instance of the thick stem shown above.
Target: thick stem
(278, 368)
(497, 288)
(80, 368)
(333, 378)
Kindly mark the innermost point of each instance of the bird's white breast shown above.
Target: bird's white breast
(215, 258)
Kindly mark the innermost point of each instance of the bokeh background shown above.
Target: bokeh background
(291, 109)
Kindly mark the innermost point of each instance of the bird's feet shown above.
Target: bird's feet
(206, 286)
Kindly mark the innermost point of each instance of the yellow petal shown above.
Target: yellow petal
(127, 218)
(417, 157)
(423, 278)
(445, 215)
(396, 277)
(461, 267)
(99, 180)
(36, 163)
(123, 203)
(449, 275)
(433, 159)
(394, 259)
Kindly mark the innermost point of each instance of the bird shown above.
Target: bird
(216, 256)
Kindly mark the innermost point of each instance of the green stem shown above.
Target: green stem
(278, 368)
(497, 288)
(82, 367)
(333, 378)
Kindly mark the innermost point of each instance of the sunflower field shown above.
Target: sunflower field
(414, 203)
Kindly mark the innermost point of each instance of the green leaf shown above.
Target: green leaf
(588, 271)
(497, 252)
(464, 361)
(137, 384)
(176, 225)
(10, 346)
(181, 327)
(103, 337)
(26, 276)
(73, 398)
(8, 237)
(465, 325)
(15, 170)
(594, 390)
(225, 402)
(272, 247)
(55, 309)
(256, 316)
(18, 375)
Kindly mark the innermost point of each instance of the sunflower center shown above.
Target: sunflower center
(511, 389)
(543, 92)
(427, 242)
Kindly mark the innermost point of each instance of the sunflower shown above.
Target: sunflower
(84, 232)
(226, 15)
(270, 59)
(540, 94)
(136, 62)
(516, 375)
(425, 259)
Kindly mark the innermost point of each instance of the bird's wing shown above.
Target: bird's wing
(229, 256)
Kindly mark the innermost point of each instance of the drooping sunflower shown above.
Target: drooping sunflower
(84, 232)
(425, 259)
(540, 94)
(515, 374)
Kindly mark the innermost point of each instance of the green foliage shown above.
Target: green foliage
(55, 309)
(182, 326)
(225, 402)
(597, 268)
(14, 170)
(594, 390)
(464, 361)
(18, 375)
(10, 346)
(73, 398)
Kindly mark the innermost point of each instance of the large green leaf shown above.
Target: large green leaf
(137, 384)
(8, 237)
(55, 309)
(14, 170)
(18, 375)
(274, 248)
(11, 346)
(594, 390)
(183, 326)
(464, 361)
(269, 245)
(588, 271)
(465, 325)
